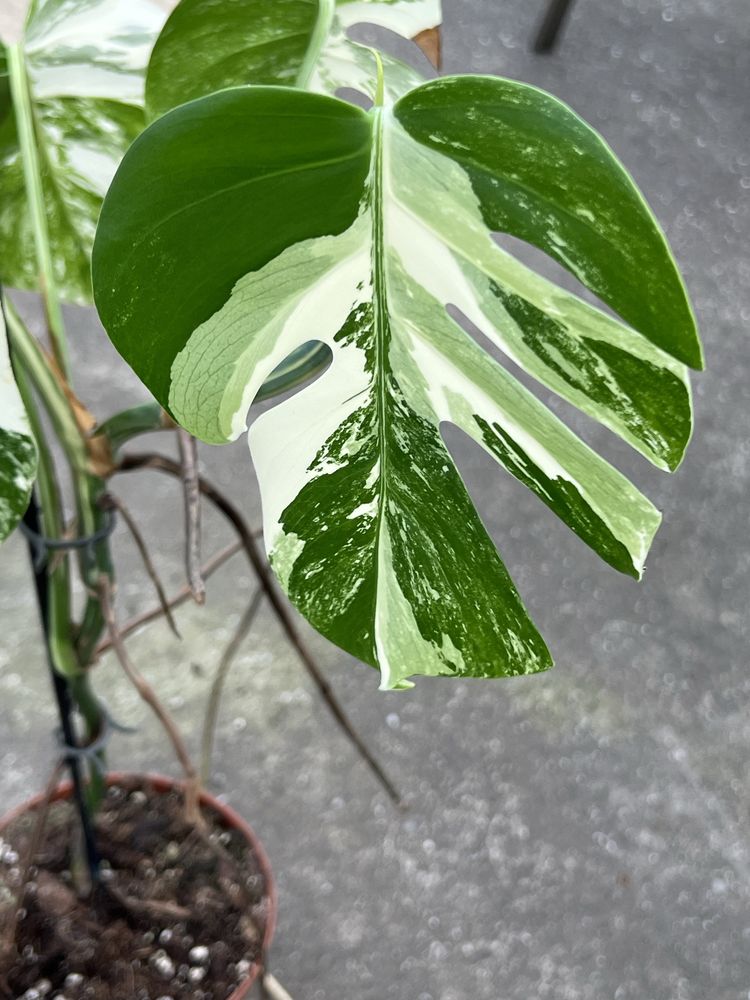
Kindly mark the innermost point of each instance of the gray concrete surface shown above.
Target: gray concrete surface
(581, 835)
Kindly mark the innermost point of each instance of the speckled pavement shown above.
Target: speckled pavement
(581, 835)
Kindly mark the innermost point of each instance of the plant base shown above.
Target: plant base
(179, 913)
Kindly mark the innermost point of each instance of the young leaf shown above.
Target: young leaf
(243, 224)
(207, 46)
(17, 448)
(85, 61)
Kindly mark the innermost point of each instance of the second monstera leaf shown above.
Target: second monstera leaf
(246, 223)
(209, 44)
(79, 81)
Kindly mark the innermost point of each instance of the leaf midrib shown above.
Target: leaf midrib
(380, 325)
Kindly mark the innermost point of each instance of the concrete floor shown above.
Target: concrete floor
(581, 835)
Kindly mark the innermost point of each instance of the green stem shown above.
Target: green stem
(62, 648)
(27, 349)
(118, 430)
(326, 11)
(92, 569)
(61, 414)
(87, 488)
(380, 88)
(27, 140)
(64, 651)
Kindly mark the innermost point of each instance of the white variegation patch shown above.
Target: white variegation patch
(317, 277)
(62, 35)
(12, 411)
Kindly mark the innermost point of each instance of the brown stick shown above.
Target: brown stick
(161, 463)
(147, 693)
(108, 500)
(217, 685)
(189, 460)
(151, 614)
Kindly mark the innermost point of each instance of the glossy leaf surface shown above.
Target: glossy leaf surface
(314, 219)
(17, 448)
(207, 45)
(85, 61)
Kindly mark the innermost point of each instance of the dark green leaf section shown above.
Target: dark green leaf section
(651, 401)
(561, 496)
(439, 546)
(303, 178)
(207, 45)
(18, 454)
(541, 174)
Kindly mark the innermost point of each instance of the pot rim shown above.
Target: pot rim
(161, 783)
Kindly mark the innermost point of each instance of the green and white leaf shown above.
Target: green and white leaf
(318, 220)
(207, 45)
(17, 447)
(85, 61)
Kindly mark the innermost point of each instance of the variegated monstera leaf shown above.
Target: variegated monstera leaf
(77, 81)
(207, 45)
(245, 223)
(17, 447)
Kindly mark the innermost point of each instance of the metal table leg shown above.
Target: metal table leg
(551, 26)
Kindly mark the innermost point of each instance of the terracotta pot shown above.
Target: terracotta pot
(229, 818)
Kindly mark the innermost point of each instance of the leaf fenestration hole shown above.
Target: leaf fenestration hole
(296, 372)
(595, 435)
(356, 97)
(392, 44)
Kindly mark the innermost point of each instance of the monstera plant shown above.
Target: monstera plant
(243, 223)
(262, 235)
